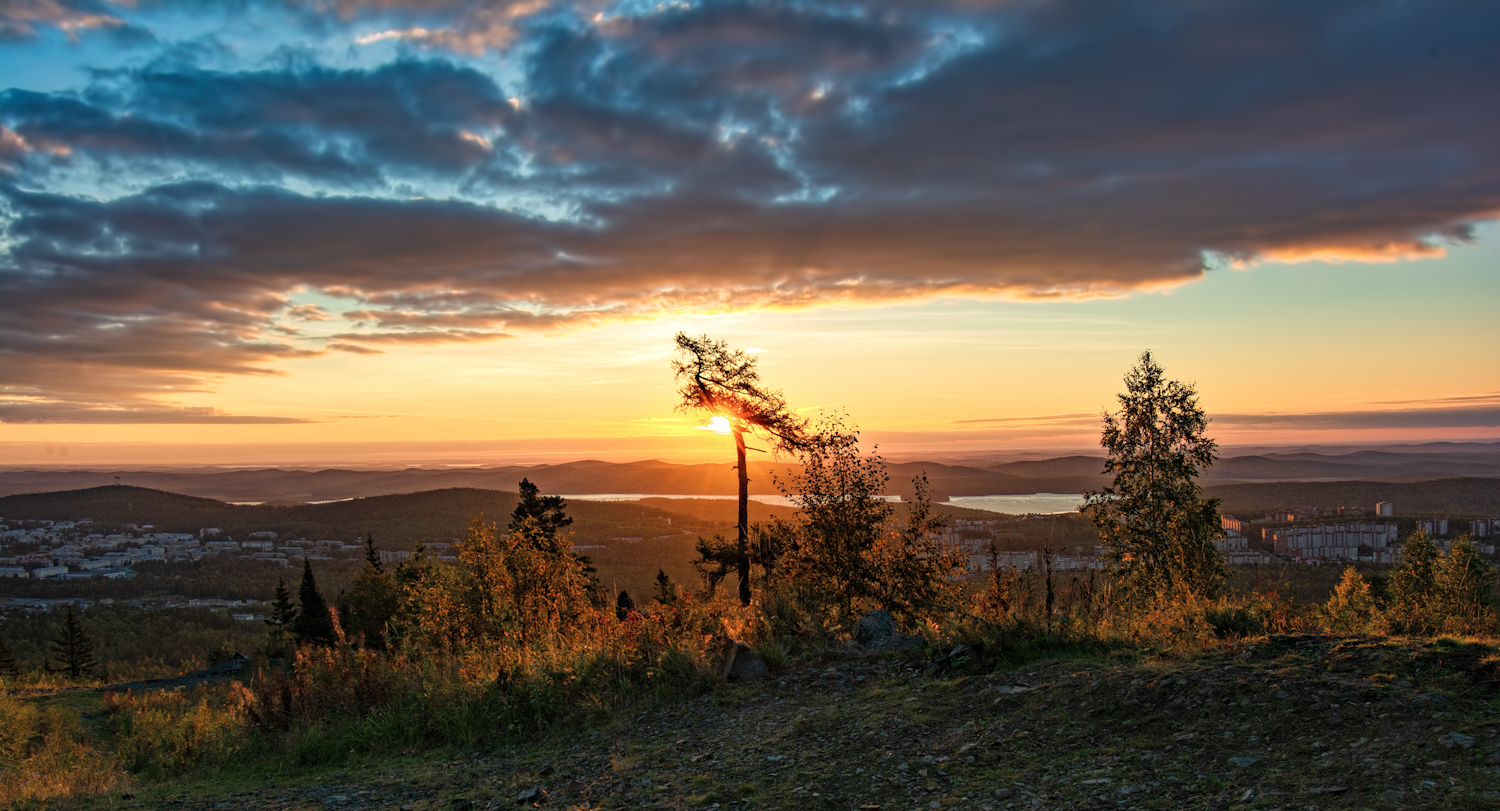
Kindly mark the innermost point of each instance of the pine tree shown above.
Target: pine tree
(624, 605)
(371, 602)
(283, 610)
(74, 649)
(372, 554)
(8, 668)
(666, 591)
(545, 511)
(313, 623)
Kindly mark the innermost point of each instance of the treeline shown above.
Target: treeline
(1460, 497)
(130, 644)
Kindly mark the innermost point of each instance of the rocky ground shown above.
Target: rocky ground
(1296, 722)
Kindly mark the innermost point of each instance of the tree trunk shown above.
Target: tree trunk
(744, 517)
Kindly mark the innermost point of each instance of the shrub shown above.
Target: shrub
(1351, 609)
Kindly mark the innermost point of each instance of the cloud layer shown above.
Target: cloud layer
(161, 220)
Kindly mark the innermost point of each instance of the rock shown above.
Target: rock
(875, 628)
(577, 788)
(1392, 796)
(1244, 761)
(1493, 760)
(1453, 739)
(533, 796)
(741, 662)
(1003, 793)
(1430, 700)
(877, 631)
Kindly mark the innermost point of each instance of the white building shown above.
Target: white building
(1433, 526)
(1385, 508)
(1335, 541)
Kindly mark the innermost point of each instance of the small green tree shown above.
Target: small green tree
(847, 554)
(623, 605)
(1465, 587)
(283, 614)
(1351, 609)
(313, 624)
(372, 600)
(74, 650)
(8, 668)
(1154, 519)
(1413, 586)
(667, 592)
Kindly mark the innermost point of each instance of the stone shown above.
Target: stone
(742, 663)
(1392, 796)
(876, 631)
(1453, 739)
(1244, 761)
(1003, 793)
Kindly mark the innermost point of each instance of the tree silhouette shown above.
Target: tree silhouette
(624, 605)
(545, 511)
(8, 668)
(371, 602)
(313, 623)
(724, 382)
(1159, 528)
(74, 649)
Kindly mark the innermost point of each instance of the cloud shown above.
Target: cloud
(1457, 417)
(21, 19)
(130, 414)
(719, 158)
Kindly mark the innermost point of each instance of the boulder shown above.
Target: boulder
(876, 631)
(741, 662)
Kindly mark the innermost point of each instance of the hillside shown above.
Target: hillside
(1472, 497)
(1068, 474)
(1285, 722)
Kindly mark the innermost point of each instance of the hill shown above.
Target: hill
(1284, 722)
(1471, 497)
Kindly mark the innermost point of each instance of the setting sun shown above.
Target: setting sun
(718, 425)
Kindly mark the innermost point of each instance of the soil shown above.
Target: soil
(1305, 722)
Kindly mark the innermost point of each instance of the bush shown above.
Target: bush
(47, 755)
(1351, 609)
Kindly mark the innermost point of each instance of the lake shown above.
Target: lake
(1042, 503)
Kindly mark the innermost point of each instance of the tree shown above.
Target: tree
(372, 553)
(1465, 586)
(725, 383)
(1156, 522)
(1413, 585)
(667, 592)
(1351, 609)
(314, 623)
(847, 551)
(372, 600)
(74, 649)
(624, 605)
(546, 517)
(283, 614)
(546, 512)
(8, 668)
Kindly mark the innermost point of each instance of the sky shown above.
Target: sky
(433, 232)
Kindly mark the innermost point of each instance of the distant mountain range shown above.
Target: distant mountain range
(1067, 474)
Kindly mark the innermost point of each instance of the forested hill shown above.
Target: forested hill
(397, 520)
(1467, 497)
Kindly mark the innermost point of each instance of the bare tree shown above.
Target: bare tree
(724, 382)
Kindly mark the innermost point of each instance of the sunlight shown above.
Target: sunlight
(718, 424)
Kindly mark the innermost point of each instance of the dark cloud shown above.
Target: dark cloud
(723, 157)
(1463, 417)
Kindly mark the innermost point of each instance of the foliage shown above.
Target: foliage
(667, 592)
(159, 734)
(545, 512)
(846, 554)
(73, 649)
(1351, 609)
(47, 754)
(1431, 592)
(1159, 528)
(366, 609)
(8, 668)
(313, 623)
(519, 588)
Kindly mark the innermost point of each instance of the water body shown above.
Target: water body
(1035, 503)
